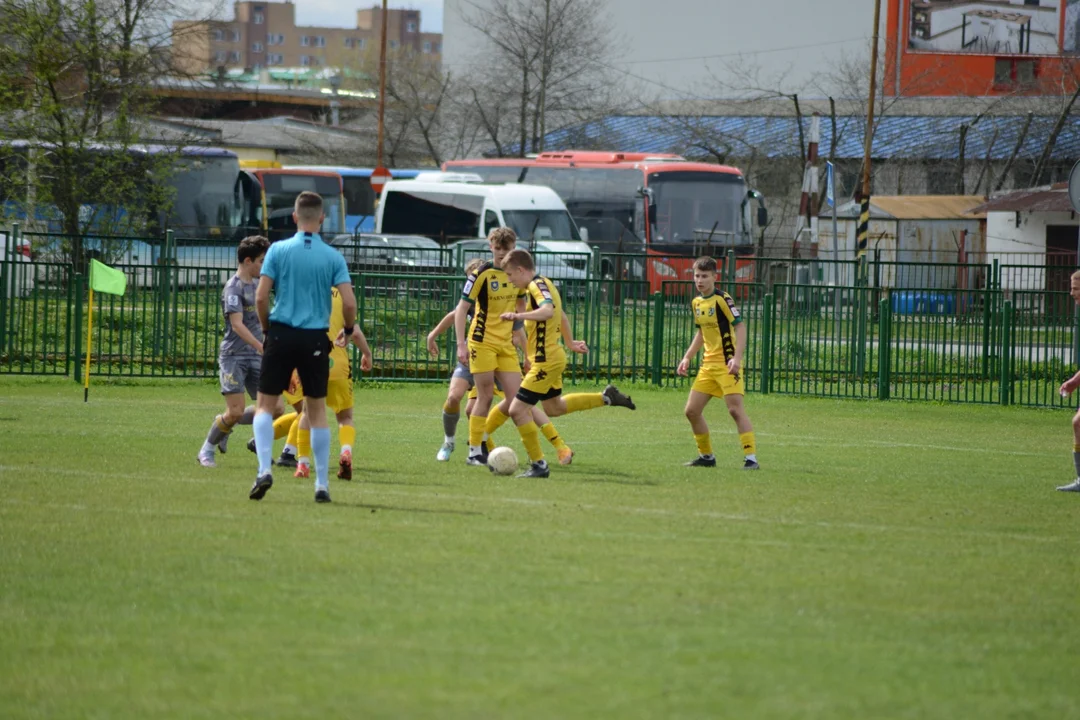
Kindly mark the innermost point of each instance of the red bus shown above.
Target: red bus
(664, 206)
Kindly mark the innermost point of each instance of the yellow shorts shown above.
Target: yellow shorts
(472, 393)
(543, 382)
(339, 394)
(488, 358)
(715, 380)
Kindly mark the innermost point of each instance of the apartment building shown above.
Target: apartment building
(264, 34)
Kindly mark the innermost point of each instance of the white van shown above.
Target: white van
(447, 211)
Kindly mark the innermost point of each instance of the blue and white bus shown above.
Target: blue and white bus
(207, 198)
(359, 197)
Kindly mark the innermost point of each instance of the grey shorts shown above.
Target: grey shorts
(463, 372)
(238, 374)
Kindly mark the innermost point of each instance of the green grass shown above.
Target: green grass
(890, 560)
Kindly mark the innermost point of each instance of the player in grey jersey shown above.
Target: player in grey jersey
(240, 354)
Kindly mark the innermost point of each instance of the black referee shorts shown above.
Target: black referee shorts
(286, 349)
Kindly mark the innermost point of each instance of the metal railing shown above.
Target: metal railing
(997, 342)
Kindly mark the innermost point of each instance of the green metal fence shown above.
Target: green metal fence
(1007, 339)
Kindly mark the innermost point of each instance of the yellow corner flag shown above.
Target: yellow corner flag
(107, 280)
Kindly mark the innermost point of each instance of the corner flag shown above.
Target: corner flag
(107, 280)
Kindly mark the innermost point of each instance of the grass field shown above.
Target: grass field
(889, 560)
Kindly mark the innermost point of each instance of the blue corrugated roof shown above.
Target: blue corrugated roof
(926, 137)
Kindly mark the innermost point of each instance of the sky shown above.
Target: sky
(334, 13)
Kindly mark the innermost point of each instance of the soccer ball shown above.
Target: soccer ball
(503, 461)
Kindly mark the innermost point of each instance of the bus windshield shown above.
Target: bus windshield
(690, 205)
(548, 224)
(204, 195)
(282, 188)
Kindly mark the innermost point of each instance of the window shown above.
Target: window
(410, 27)
(361, 43)
(350, 42)
(234, 56)
(427, 46)
(441, 216)
(305, 41)
(275, 39)
(320, 41)
(393, 44)
(234, 36)
(256, 47)
(258, 18)
(435, 47)
(1009, 72)
(217, 35)
(305, 60)
(274, 59)
(491, 221)
(221, 56)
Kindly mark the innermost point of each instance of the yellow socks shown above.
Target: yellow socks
(294, 432)
(749, 445)
(495, 420)
(346, 436)
(282, 425)
(530, 438)
(476, 429)
(303, 443)
(553, 436)
(704, 444)
(583, 401)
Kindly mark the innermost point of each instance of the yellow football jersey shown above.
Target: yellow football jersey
(544, 345)
(491, 293)
(716, 316)
(340, 366)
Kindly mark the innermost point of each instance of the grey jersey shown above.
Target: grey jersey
(239, 297)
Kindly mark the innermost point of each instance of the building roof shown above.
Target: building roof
(286, 134)
(1054, 198)
(914, 207)
(916, 137)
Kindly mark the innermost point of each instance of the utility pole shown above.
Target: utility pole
(864, 211)
(382, 86)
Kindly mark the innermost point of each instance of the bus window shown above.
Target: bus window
(440, 216)
(359, 197)
(690, 204)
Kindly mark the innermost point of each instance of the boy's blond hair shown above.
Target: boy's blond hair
(502, 238)
(473, 265)
(1075, 276)
(519, 258)
(705, 264)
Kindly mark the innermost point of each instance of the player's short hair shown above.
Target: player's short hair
(502, 238)
(1074, 276)
(473, 265)
(308, 207)
(705, 264)
(519, 258)
(251, 248)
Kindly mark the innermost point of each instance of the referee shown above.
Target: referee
(301, 271)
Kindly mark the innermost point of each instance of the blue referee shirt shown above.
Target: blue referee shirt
(304, 269)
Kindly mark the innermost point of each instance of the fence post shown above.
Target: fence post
(7, 281)
(988, 321)
(658, 336)
(1005, 374)
(357, 281)
(766, 343)
(77, 279)
(884, 347)
(168, 272)
(729, 266)
(861, 301)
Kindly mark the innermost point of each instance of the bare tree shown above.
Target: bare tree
(558, 53)
(76, 75)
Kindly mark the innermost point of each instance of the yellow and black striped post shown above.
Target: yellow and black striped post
(864, 227)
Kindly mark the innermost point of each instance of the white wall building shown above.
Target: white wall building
(677, 46)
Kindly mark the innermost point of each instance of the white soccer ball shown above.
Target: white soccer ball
(503, 461)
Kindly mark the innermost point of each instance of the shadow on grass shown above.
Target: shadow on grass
(397, 508)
